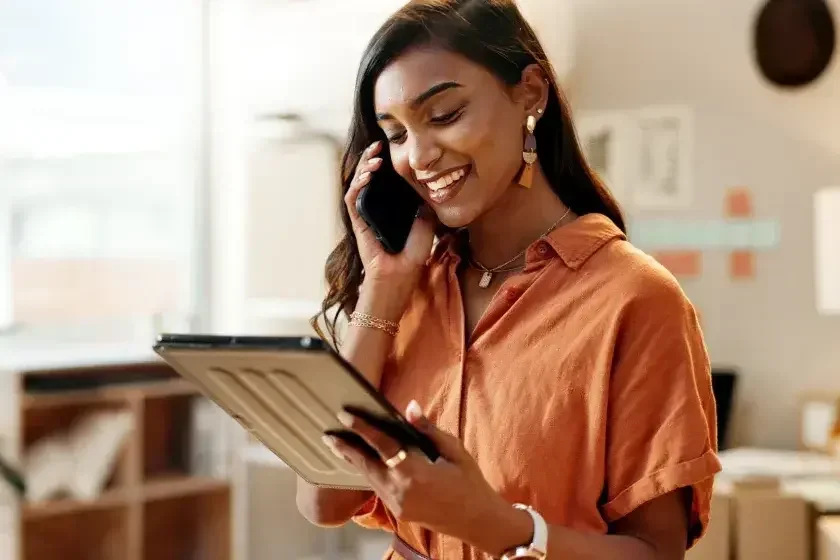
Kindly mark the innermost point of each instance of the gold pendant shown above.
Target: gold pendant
(486, 278)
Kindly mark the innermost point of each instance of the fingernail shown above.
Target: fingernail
(376, 144)
(414, 409)
(330, 442)
(364, 176)
(345, 418)
(375, 161)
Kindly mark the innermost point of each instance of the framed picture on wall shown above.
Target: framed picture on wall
(818, 415)
(604, 140)
(662, 169)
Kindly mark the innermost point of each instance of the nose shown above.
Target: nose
(423, 153)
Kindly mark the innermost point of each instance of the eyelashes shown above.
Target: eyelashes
(442, 120)
(449, 118)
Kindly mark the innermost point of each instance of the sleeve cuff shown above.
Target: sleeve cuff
(374, 515)
(672, 477)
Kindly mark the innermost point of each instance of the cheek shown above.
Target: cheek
(400, 161)
(495, 148)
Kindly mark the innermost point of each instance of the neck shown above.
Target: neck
(517, 219)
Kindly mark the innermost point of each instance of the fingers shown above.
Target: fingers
(371, 467)
(368, 164)
(387, 447)
(384, 436)
(414, 412)
(422, 237)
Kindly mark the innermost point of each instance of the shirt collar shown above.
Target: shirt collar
(574, 243)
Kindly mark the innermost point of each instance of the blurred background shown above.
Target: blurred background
(172, 166)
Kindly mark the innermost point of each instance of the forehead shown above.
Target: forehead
(417, 70)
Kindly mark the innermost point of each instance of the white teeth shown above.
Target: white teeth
(446, 180)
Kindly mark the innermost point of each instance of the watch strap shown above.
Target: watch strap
(538, 548)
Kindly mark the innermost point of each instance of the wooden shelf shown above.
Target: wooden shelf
(111, 395)
(108, 500)
(160, 488)
(153, 507)
(175, 485)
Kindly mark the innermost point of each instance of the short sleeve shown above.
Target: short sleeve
(374, 515)
(661, 424)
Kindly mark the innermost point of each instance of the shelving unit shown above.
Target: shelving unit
(153, 507)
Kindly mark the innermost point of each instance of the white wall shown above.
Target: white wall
(784, 146)
(275, 196)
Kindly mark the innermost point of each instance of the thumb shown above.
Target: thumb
(448, 445)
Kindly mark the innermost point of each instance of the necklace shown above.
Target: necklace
(487, 276)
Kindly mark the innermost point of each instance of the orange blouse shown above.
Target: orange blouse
(585, 391)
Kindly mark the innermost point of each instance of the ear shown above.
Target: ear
(532, 91)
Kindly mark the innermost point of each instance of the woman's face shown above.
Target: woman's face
(454, 130)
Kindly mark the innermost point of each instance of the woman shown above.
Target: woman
(557, 368)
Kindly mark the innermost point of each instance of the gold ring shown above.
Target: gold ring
(397, 459)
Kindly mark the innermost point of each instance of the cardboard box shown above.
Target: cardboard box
(829, 538)
(753, 520)
(716, 544)
(771, 525)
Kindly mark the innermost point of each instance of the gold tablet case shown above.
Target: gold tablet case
(286, 399)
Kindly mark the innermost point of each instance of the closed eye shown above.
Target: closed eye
(396, 138)
(448, 118)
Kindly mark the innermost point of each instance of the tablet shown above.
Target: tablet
(287, 392)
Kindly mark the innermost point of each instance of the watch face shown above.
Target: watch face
(527, 554)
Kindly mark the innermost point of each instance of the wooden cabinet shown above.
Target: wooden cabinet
(153, 507)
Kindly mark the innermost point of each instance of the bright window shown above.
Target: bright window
(101, 166)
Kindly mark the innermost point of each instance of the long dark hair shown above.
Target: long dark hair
(494, 34)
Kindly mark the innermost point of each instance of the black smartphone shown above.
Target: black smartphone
(389, 205)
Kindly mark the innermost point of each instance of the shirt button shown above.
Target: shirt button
(542, 248)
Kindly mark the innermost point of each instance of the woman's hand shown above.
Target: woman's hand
(450, 496)
(380, 265)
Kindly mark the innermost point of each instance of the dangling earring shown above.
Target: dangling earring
(529, 153)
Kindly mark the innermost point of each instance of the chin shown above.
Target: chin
(456, 216)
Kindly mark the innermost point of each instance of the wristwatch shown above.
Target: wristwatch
(538, 549)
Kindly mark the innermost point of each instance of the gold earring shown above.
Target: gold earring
(529, 154)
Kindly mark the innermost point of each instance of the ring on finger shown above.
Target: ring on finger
(397, 459)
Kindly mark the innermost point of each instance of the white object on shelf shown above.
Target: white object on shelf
(827, 250)
(80, 461)
(95, 442)
(49, 467)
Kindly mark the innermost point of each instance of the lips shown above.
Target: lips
(446, 187)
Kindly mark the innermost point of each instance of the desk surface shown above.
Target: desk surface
(16, 356)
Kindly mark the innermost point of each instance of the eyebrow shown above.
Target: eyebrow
(423, 97)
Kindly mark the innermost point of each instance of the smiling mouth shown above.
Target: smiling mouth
(445, 187)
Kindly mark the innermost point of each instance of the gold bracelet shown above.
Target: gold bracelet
(370, 322)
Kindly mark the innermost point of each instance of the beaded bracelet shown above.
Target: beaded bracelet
(370, 322)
